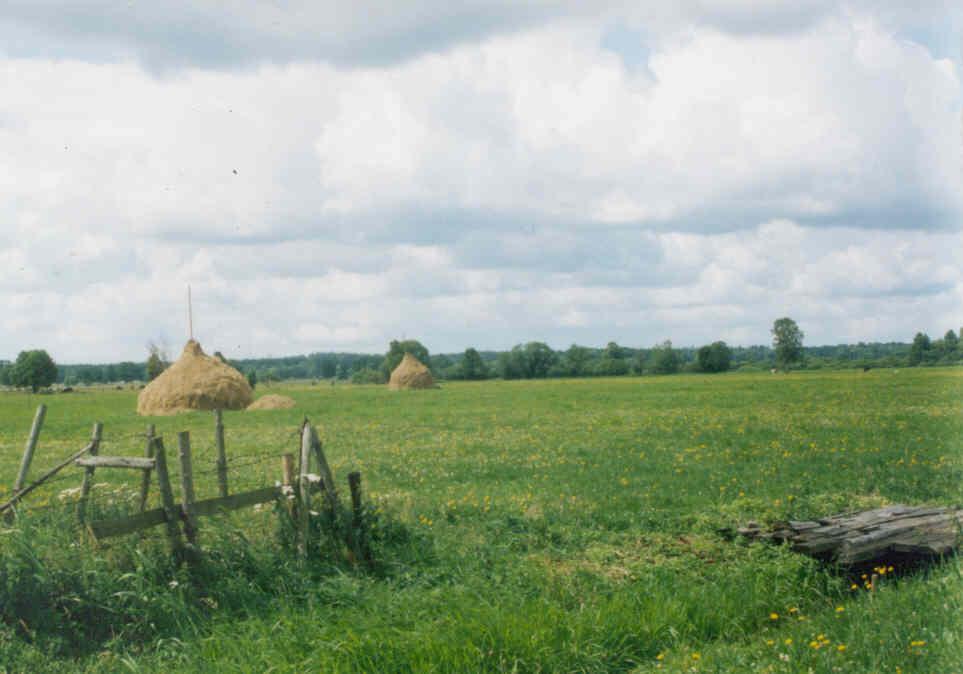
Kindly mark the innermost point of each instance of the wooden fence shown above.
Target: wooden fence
(180, 518)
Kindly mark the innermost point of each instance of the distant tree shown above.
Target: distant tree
(5, 373)
(342, 370)
(157, 361)
(787, 342)
(529, 361)
(539, 359)
(511, 364)
(35, 369)
(613, 361)
(920, 348)
(951, 340)
(252, 378)
(329, 367)
(397, 351)
(472, 365)
(665, 359)
(440, 365)
(575, 360)
(715, 357)
(642, 359)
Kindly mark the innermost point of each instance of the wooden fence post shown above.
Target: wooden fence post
(187, 486)
(221, 453)
(304, 491)
(88, 481)
(167, 499)
(30, 447)
(145, 478)
(359, 534)
(287, 469)
(287, 483)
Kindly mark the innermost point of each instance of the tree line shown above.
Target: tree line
(532, 360)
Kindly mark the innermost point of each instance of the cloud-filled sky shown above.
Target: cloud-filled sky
(329, 176)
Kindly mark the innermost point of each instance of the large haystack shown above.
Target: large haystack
(272, 401)
(195, 382)
(410, 373)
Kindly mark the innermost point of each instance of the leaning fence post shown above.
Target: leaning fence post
(304, 491)
(30, 447)
(187, 486)
(167, 498)
(221, 454)
(145, 478)
(330, 491)
(88, 481)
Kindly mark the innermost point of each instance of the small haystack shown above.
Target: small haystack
(410, 373)
(195, 382)
(272, 402)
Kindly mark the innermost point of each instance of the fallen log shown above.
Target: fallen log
(896, 533)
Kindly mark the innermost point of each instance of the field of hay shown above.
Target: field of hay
(527, 526)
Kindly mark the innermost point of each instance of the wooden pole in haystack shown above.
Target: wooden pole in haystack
(190, 314)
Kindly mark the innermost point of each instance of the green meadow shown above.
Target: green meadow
(524, 526)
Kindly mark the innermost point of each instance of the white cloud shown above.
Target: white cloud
(521, 184)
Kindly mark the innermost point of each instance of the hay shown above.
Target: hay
(195, 382)
(272, 402)
(409, 374)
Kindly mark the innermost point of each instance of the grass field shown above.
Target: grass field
(557, 526)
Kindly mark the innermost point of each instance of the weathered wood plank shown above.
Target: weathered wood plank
(116, 462)
(119, 526)
(212, 506)
(205, 508)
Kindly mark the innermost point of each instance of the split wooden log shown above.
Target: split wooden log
(134, 462)
(891, 534)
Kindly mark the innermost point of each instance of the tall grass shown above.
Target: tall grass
(525, 526)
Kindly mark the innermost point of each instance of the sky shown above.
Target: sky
(328, 176)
